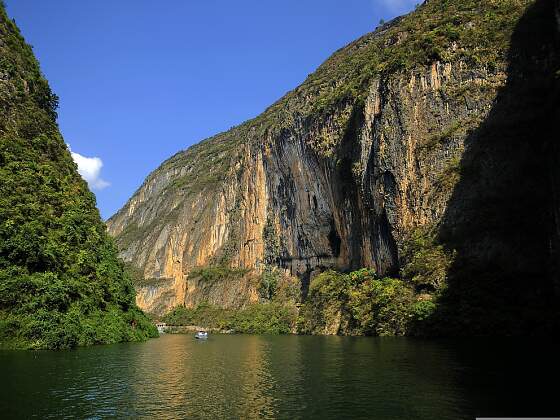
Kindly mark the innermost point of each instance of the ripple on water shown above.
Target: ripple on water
(291, 377)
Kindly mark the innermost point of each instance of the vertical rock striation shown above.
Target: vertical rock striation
(348, 170)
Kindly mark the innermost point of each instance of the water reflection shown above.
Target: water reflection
(190, 378)
(282, 377)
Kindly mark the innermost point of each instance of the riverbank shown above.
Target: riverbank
(354, 304)
(267, 318)
(191, 329)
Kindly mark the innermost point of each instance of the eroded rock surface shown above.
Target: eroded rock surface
(341, 171)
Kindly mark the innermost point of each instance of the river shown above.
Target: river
(291, 377)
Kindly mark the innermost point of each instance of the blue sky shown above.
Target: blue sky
(140, 80)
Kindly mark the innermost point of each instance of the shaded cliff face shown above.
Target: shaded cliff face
(356, 168)
(500, 219)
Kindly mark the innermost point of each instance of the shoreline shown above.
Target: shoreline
(188, 329)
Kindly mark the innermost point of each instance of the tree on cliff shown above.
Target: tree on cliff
(61, 284)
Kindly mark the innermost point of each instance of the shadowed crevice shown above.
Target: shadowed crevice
(502, 218)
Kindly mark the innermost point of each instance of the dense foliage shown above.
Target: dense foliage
(212, 274)
(355, 303)
(275, 313)
(362, 303)
(268, 318)
(61, 284)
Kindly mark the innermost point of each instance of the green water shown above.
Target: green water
(289, 377)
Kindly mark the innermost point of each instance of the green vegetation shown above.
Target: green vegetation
(61, 284)
(275, 314)
(218, 273)
(357, 303)
(201, 168)
(456, 128)
(381, 306)
(362, 303)
(427, 261)
(450, 175)
(205, 165)
(473, 32)
(272, 246)
(203, 315)
(270, 278)
(269, 318)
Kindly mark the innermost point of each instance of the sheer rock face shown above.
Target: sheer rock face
(345, 211)
(305, 189)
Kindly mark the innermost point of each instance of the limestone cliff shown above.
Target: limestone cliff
(369, 163)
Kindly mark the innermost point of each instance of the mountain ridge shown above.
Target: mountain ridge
(357, 167)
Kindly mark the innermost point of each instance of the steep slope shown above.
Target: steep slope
(390, 156)
(61, 284)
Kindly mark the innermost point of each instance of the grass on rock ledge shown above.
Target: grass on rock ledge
(265, 318)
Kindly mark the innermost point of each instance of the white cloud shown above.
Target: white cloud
(397, 6)
(90, 169)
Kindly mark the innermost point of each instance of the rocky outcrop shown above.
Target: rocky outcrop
(340, 173)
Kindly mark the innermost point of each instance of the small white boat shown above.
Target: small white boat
(201, 335)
